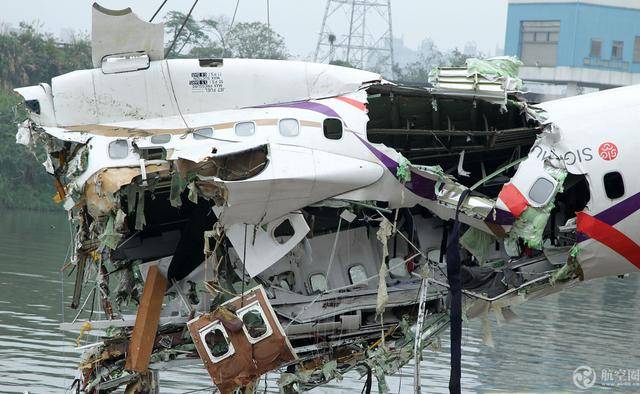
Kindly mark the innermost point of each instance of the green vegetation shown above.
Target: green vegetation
(430, 57)
(218, 37)
(28, 57)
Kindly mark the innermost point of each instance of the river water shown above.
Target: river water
(596, 324)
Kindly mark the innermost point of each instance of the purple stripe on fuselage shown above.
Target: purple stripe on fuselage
(615, 214)
(620, 211)
(419, 184)
(502, 217)
(422, 186)
(426, 188)
(308, 105)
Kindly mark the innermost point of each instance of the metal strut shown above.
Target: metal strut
(417, 344)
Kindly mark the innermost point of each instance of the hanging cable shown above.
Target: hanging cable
(158, 10)
(269, 27)
(235, 11)
(455, 296)
(268, 16)
(244, 264)
(175, 38)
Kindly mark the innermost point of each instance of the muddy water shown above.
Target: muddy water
(596, 324)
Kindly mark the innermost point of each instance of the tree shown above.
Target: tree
(255, 40)
(192, 33)
(215, 37)
(342, 63)
(430, 57)
(28, 57)
(455, 58)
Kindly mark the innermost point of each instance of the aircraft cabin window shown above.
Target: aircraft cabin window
(357, 274)
(332, 128)
(255, 324)
(289, 127)
(283, 232)
(160, 138)
(614, 185)
(217, 342)
(318, 283)
(541, 191)
(118, 149)
(245, 129)
(203, 134)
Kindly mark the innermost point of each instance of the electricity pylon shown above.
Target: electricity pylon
(358, 32)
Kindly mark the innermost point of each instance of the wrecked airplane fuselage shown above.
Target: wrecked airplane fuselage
(295, 216)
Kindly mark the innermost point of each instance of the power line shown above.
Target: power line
(235, 11)
(158, 10)
(268, 17)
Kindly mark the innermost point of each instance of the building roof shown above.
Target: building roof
(632, 4)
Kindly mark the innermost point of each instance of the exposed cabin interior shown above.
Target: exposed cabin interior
(430, 128)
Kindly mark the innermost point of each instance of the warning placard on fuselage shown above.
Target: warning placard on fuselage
(207, 82)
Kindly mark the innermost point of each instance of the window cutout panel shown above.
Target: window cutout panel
(125, 62)
(153, 153)
(541, 191)
(318, 283)
(216, 340)
(283, 232)
(358, 275)
(397, 269)
(289, 127)
(210, 62)
(118, 149)
(245, 129)
(283, 283)
(332, 128)
(614, 185)
(286, 280)
(255, 324)
(433, 256)
(203, 134)
(160, 139)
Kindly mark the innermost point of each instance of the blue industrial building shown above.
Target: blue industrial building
(577, 44)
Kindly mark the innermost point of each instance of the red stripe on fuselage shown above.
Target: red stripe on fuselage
(609, 236)
(513, 199)
(353, 102)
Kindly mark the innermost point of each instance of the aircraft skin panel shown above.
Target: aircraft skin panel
(74, 98)
(295, 177)
(93, 97)
(595, 135)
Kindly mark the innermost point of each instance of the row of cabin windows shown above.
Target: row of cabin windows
(332, 129)
(255, 328)
(542, 189)
(357, 275)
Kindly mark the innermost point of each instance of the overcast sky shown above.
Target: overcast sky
(449, 23)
